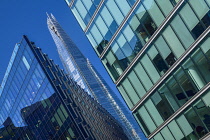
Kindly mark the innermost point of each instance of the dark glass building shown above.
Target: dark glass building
(158, 54)
(40, 102)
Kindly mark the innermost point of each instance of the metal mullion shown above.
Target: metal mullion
(162, 58)
(180, 110)
(200, 117)
(207, 3)
(206, 137)
(153, 37)
(150, 116)
(139, 80)
(71, 3)
(199, 19)
(119, 29)
(93, 16)
(173, 67)
(127, 95)
(208, 59)
(190, 79)
(133, 87)
(175, 99)
(170, 132)
(183, 90)
(197, 67)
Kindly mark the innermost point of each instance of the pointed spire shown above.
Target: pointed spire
(47, 15)
(52, 16)
(49, 21)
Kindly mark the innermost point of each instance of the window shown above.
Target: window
(101, 46)
(198, 30)
(201, 26)
(146, 28)
(26, 62)
(162, 105)
(170, 59)
(160, 64)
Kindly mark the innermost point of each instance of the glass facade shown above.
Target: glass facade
(175, 38)
(26, 88)
(158, 56)
(38, 101)
(81, 70)
(192, 124)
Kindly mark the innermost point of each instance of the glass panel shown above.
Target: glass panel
(206, 99)
(202, 64)
(204, 113)
(195, 122)
(175, 130)
(147, 119)
(153, 112)
(143, 76)
(78, 17)
(166, 94)
(187, 85)
(177, 91)
(175, 44)
(162, 105)
(114, 11)
(165, 6)
(154, 11)
(182, 32)
(129, 89)
(167, 134)
(64, 111)
(161, 45)
(125, 7)
(205, 47)
(188, 16)
(82, 11)
(125, 96)
(158, 137)
(185, 126)
(96, 34)
(160, 64)
(26, 62)
(152, 72)
(137, 84)
(199, 7)
(194, 74)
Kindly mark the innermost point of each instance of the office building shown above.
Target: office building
(81, 70)
(158, 54)
(39, 101)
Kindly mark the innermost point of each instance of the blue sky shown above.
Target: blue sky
(27, 17)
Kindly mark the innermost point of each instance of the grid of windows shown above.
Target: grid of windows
(84, 10)
(107, 21)
(25, 89)
(149, 47)
(185, 76)
(174, 39)
(193, 123)
(21, 108)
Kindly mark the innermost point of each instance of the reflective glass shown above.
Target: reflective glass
(180, 86)
(108, 19)
(175, 38)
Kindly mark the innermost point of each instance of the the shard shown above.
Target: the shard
(80, 69)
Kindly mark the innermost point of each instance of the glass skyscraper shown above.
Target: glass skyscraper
(38, 101)
(158, 54)
(81, 70)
